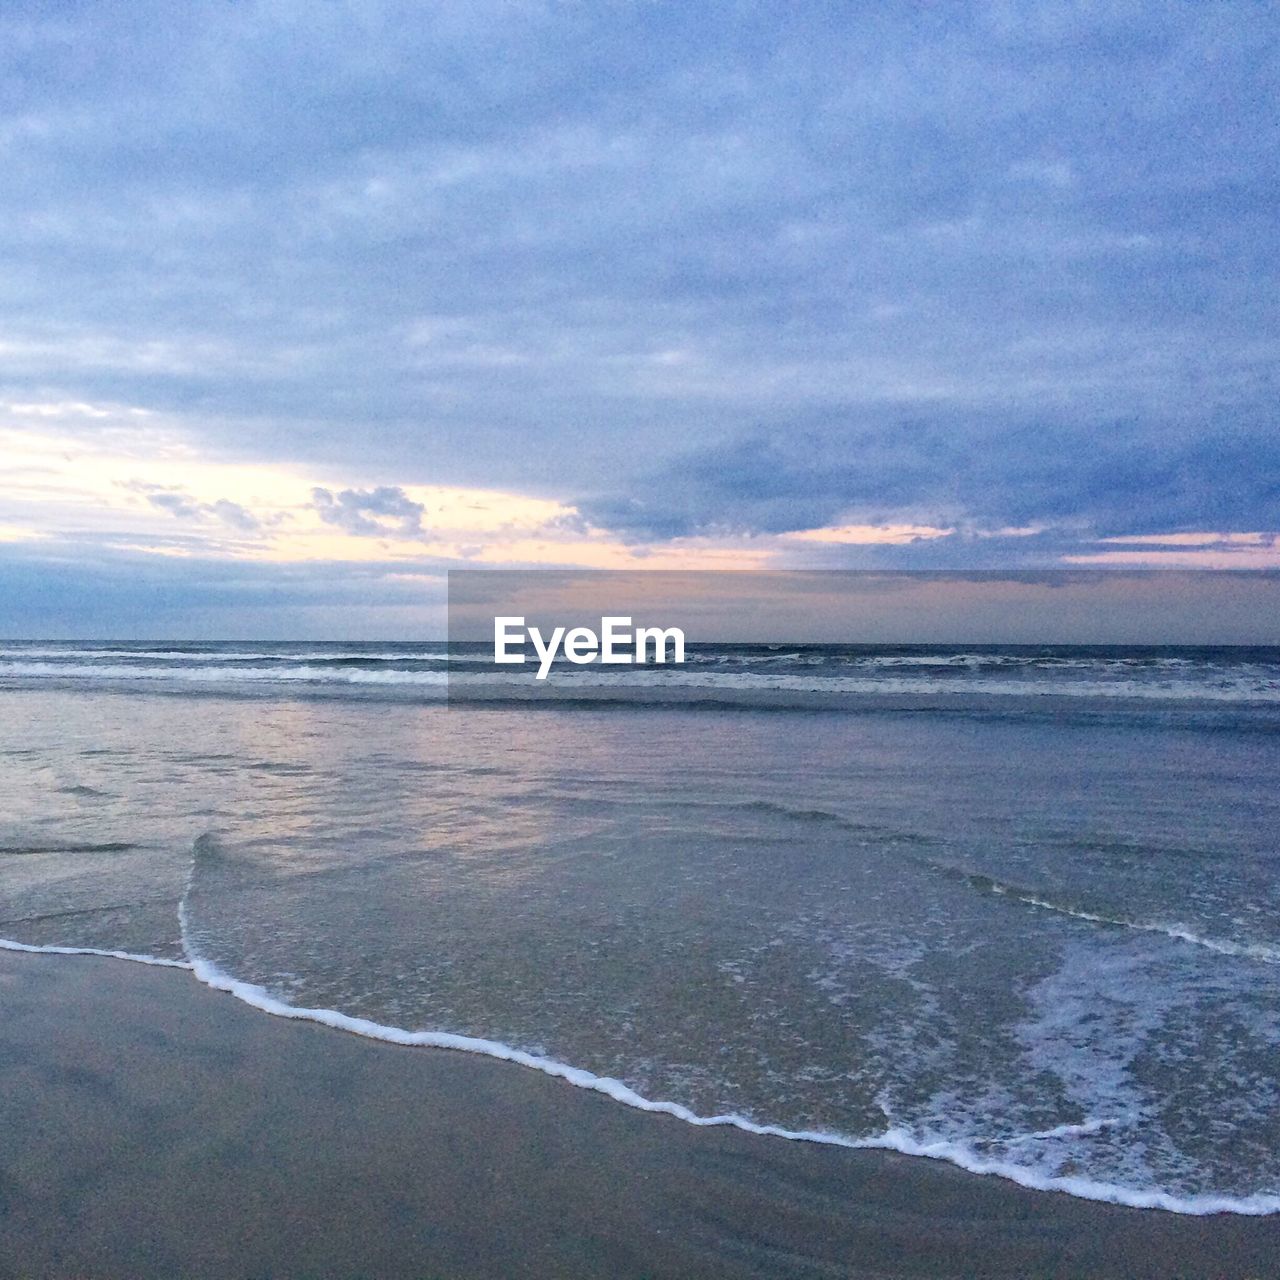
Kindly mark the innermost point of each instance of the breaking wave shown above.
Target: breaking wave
(1178, 932)
(966, 1154)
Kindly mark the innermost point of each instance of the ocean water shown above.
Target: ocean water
(1014, 908)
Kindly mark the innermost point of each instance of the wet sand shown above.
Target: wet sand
(152, 1128)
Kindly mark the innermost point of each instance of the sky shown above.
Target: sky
(1107, 605)
(303, 304)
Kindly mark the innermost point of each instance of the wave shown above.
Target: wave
(773, 809)
(108, 846)
(25, 653)
(895, 1137)
(134, 957)
(212, 674)
(1240, 690)
(658, 682)
(734, 673)
(1259, 951)
(695, 656)
(969, 663)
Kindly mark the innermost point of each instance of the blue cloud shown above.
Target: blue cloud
(735, 266)
(1097, 478)
(382, 512)
(182, 505)
(96, 586)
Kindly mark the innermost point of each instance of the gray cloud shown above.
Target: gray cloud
(176, 504)
(1097, 478)
(233, 514)
(384, 512)
(89, 585)
(705, 267)
(181, 504)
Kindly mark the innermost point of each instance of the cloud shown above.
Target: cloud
(180, 504)
(384, 512)
(984, 474)
(734, 270)
(90, 587)
(233, 514)
(176, 504)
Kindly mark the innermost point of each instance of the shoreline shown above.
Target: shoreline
(155, 1127)
(896, 1141)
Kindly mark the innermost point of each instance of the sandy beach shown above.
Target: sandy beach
(153, 1128)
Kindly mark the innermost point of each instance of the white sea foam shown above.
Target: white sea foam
(1167, 677)
(894, 1138)
(222, 675)
(1179, 933)
(961, 1141)
(1083, 1129)
(27, 653)
(7, 944)
(1239, 689)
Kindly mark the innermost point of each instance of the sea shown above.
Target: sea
(1012, 907)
